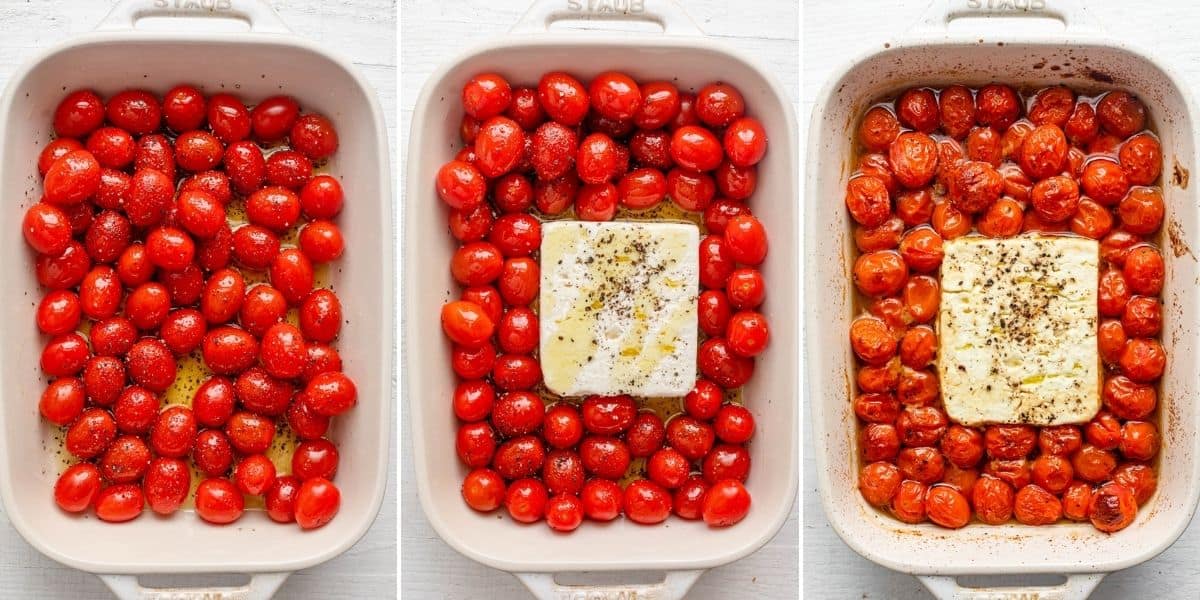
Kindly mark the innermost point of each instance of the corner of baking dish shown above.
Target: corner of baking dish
(882, 541)
(380, 147)
(413, 261)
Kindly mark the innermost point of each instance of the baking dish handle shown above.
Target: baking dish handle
(1077, 587)
(674, 587)
(1072, 13)
(667, 13)
(262, 586)
(261, 17)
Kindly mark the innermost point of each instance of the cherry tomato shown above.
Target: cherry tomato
(314, 136)
(697, 149)
(1142, 210)
(615, 95)
(229, 350)
(62, 401)
(526, 500)
(483, 489)
(914, 158)
(1112, 507)
(166, 485)
(292, 274)
(219, 502)
(719, 104)
(78, 114)
(562, 426)
(331, 394)
(744, 289)
(315, 458)
(322, 197)
(280, 499)
(119, 503)
(228, 118)
(246, 167)
(273, 118)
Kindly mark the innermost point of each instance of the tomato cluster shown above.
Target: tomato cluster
(939, 164)
(613, 147)
(144, 267)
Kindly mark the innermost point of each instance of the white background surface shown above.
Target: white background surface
(834, 35)
(364, 31)
(432, 32)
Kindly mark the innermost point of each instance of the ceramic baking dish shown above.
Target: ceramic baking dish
(264, 61)
(1077, 56)
(682, 548)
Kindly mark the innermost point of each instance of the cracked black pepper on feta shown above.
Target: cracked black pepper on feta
(1017, 330)
(618, 303)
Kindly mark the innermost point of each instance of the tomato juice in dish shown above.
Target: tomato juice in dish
(641, 194)
(1066, 188)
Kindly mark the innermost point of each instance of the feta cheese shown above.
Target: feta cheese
(1017, 330)
(617, 307)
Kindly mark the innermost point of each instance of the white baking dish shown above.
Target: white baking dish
(1079, 57)
(266, 60)
(680, 547)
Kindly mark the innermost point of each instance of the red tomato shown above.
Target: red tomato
(315, 136)
(280, 499)
(322, 197)
(745, 142)
(321, 241)
(72, 179)
(719, 363)
(228, 117)
(483, 490)
(292, 274)
(315, 458)
(691, 437)
(331, 394)
(77, 487)
(726, 503)
(562, 427)
(273, 118)
(609, 415)
(78, 114)
(166, 484)
(284, 351)
(696, 148)
(219, 502)
(119, 503)
(646, 502)
(183, 108)
(526, 500)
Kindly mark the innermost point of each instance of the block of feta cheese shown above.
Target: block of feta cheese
(617, 307)
(1017, 330)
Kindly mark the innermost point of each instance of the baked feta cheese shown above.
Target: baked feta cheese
(1017, 330)
(617, 307)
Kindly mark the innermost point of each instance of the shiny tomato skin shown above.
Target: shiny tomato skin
(280, 499)
(218, 501)
(272, 118)
(331, 394)
(315, 136)
(228, 350)
(78, 114)
(77, 487)
(284, 351)
(646, 502)
(228, 118)
(483, 489)
(726, 503)
(119, 503)
(292, 274)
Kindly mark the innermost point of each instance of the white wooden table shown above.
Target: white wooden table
(363, 30)
(433, 31)
(833, 35)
